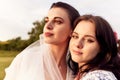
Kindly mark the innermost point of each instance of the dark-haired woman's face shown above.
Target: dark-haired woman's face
(83, 43)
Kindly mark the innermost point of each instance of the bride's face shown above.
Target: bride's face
(57, 28)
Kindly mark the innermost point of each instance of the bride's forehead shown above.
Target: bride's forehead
(57, 12)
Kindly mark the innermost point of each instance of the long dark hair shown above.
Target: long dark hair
(73, 14)
(107, 58)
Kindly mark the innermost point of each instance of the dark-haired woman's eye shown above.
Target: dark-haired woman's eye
(90, 40)
(74, 36)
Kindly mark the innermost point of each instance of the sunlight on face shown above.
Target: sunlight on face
(57, 25)
(83, 43)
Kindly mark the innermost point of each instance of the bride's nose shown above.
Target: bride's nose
(49, 25)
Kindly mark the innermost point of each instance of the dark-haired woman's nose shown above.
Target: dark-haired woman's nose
(80, 44)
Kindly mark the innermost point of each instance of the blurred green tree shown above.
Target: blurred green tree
(36, 31)
(19, 44)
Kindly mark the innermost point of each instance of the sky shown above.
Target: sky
(17, 16)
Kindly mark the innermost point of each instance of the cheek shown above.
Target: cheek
(64, 33)
(92, 51)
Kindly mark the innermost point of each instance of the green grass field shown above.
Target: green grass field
(6, 58)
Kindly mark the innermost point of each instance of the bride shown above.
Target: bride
(46, 60)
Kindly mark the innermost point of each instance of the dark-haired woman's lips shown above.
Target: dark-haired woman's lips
(76, 52)
(48, 34)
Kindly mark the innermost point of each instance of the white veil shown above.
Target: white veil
(36, 62)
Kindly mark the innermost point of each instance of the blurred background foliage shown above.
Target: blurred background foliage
(10, 48)
(17, 44)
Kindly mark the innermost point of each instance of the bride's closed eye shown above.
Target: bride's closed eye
(58, 21)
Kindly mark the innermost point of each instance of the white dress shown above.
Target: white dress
(35, 63)
(99, 75)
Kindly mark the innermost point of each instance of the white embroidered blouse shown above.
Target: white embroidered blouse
(99, 75)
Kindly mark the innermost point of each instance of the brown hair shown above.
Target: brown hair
(73, 14)
(107, 58)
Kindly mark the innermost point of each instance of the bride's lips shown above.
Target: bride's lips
(48, 34)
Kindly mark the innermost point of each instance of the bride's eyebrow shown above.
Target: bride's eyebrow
(59, 18)
(54, 18)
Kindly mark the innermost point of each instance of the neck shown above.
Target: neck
(59, 52)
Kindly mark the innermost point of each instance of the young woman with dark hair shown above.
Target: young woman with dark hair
(93, 50)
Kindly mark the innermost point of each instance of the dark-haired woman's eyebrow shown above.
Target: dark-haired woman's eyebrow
(90, 36)
(75, 33)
